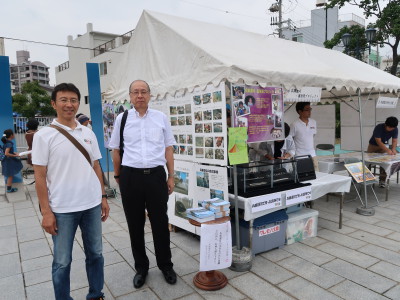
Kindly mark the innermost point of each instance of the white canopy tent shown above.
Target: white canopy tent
(174, 54)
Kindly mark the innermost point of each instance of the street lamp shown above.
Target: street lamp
(370, 35)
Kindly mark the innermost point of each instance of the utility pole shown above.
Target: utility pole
(280, 19)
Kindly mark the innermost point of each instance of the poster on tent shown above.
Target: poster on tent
(209, 122)
(211, 182)
(159, 104)
(180, 116)
(108, 122)
(260, 110)
(183, 196)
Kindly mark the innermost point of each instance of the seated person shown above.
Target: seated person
(281, 149)
(378, 143)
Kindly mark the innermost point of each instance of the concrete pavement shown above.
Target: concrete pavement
(360, 261)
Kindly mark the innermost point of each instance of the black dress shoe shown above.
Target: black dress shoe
(170, 276)
(139, 279)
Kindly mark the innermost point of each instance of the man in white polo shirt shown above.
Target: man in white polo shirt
(71, 192)
(303, 131)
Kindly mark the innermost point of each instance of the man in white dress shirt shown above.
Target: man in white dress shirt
(147, 148)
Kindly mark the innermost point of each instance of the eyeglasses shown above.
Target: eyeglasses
(136, 93)
(72, 101)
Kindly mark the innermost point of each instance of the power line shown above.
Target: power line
(52, 44)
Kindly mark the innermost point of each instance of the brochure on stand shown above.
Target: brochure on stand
(355, 170)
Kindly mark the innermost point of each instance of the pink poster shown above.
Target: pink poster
(260, 110)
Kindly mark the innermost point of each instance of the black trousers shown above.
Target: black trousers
(146, 189)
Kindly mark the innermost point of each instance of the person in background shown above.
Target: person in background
(32, 126)
(84, 120)
(11, 164)
(303, 131)
(379, 142)
(147, 149)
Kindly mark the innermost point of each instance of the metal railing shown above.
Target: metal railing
(20, 129)
(63, 66)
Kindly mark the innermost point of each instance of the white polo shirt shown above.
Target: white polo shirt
(145, 138)
(71, 182)
(303, 136)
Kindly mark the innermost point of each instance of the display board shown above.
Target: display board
(260, 110)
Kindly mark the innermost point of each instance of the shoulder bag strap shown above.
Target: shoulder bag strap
(73, 141)
(121, 134)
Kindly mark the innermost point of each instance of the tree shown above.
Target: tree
(387, 22)
(33, 99)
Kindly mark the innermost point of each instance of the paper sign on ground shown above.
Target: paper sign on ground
(215, 246)
(265, 202)
(299, 195)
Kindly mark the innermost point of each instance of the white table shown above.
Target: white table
(322, 185)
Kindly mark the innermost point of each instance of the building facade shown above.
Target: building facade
(27, 71)
(106, 49)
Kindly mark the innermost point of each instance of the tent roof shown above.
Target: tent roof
(174, 53)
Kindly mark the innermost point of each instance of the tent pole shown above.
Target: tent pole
(363, 210)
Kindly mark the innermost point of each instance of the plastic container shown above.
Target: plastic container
(294, 208)
(301, 225)
(268, 232)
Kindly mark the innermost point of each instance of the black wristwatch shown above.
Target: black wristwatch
(104, 196)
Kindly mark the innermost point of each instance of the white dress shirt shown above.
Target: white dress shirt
(145, 138)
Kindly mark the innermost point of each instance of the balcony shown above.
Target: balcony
(63, 66)
(112, 44)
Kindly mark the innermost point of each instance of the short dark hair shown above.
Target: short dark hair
(32, 124)
(7, 134)
(65, 87)
(248, 99)
(301, 105)
(148, 87)
(392, 122)
(287, 129)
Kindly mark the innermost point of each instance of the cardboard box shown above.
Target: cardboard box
(301, 225)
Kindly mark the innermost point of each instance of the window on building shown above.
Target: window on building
(103, 68)
(34, 67)
(297, 38)
(27, 68)
(86, 99)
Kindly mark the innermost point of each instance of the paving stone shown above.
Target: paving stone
(304, 290)
(119, 279)
(7, 220)
(270, 271)
(23, 204)
(381, 253)
(276, 255)
(371, 228)
(349, 291)
(386, 269)
(34, 249)
(386, 211)
(359, 275)
(393, 293)
(8, 245)
(7, 211)
(82, 292)
(364, 219)
(118, 239)
(183, 263)
(376, 240)
(310, 254)
(328, 216)
(8, 231)
(311, 272)
(227, 293)
(145, 294)
(193, 296)
(110, 226)
(111, 258)
(334, 227)
(38, 276)
(349, 255)
(27, 222)
(40, 291)
(256, 288)
(394, 236)
(314, 242)
(187, 242)
(37, 263)
(341, 239)
(150, 246)
(10, 265)
(12, 288)
(30, 233)
(118, 216)
(26, 212)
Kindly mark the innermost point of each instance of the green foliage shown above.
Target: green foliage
(33, 99)
(387, 14)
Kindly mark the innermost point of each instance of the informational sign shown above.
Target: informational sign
(355, 170)
(386, 102)
(211, 182)
(265, 202)
(237, 147)
(298, 195)
(215, 246)
(260, 110)
(108, 122)
(304, 94)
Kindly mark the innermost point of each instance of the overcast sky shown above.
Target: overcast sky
(51, 21)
